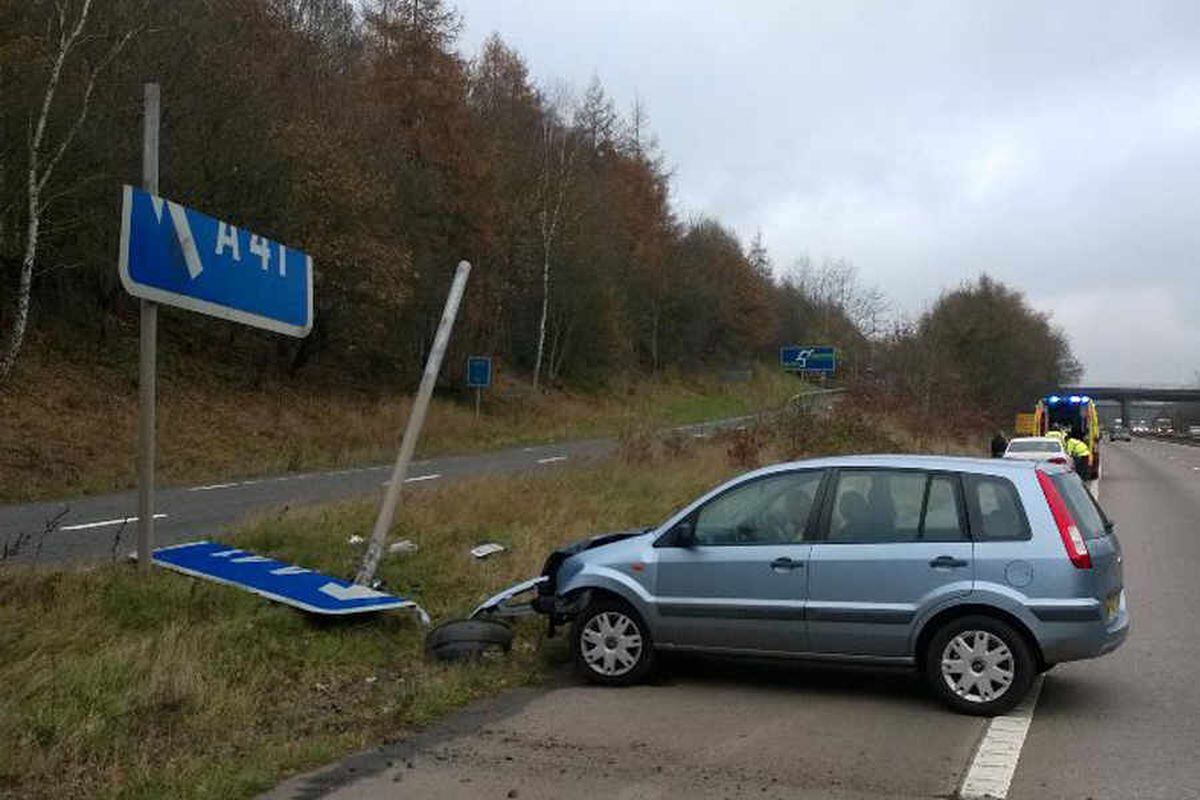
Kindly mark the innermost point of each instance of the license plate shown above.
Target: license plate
(1112, 604)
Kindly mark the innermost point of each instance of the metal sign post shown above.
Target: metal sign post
(178, 256)
(412, 431)
(147, 350)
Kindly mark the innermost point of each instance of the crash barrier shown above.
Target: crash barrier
(1175, 438)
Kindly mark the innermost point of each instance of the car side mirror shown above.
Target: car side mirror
(684, 534)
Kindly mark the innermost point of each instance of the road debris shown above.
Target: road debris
(485, 550)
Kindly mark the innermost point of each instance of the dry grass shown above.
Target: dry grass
(119, 686)
(68, 428)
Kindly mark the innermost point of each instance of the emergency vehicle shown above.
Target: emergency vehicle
(1078, 414)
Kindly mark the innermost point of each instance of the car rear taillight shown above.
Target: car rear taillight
(1072, 539)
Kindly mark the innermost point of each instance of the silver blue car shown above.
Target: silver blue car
(980, 573)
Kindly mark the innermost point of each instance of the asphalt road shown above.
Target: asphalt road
(101, 527)
(1125, 726)
(86, 529)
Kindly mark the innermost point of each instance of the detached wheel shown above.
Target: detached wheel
(980, 666)
(611, 644)
(468, 639)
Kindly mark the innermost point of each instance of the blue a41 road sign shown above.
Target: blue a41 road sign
(175, 255)
(816, 358)
(479, 372)
(296, 586)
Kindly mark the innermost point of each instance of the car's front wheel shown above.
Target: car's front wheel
(980, 665)
(611, 643)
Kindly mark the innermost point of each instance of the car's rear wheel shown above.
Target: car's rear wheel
(611, 643)
(980, 665)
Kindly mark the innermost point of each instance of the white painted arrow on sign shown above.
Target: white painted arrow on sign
(350, 592)
(183, 232)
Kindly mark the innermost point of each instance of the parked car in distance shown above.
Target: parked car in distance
(979, 573)
(1120, 432)
(1194, 431)
(1038, 448)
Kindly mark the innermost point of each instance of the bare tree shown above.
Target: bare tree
(554, 181)
(39, 172)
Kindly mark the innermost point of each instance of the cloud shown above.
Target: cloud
(1056, 146)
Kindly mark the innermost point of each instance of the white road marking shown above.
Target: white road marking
(433, 476)
(212, 486)
(100, 524)
(551, 460)
(995, 761)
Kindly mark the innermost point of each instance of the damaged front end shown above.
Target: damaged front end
(543, 589)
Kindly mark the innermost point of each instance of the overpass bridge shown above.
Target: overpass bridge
(1127, 395)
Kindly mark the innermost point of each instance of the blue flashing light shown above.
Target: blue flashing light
(1054, 399)
(1074, 398)
(1086, 399)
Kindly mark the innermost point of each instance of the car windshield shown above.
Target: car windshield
(1034, 446)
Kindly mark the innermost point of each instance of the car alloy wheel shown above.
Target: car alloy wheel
(977, 666)
(611, 643)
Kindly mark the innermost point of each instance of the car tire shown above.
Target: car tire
(467, 639)
(980, 652)
(611, 644)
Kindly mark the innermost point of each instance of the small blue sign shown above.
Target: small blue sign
(285, 583)
(479, 372)
(816, 358)
(175, 255)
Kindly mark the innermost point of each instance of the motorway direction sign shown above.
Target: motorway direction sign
(479, 372)
(178, 256)
(811, 358)
(296, 586)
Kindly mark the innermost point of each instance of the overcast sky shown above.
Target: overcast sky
(1054, 145)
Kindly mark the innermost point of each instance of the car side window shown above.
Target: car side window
(998, 512)
(772, 510)
(879, 505)
(943, 517)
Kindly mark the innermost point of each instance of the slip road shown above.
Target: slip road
(85, 529)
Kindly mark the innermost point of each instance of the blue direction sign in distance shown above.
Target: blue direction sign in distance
(815, 358)
(479, 372)
(286, 583)
(174, 255)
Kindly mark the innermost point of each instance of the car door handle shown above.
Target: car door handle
(945, 562)
(786, 564)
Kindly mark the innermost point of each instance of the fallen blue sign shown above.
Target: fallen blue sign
(178, 256)
(296, 586)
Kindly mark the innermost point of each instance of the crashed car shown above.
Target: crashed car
(980, 573)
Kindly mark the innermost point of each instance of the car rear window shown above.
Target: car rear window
(996, 510)
(1034, 447)
(1083, 507)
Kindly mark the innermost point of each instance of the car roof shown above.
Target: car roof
(1034, 439)
(991, 466)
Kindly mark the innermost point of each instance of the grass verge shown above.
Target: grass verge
(119, 686)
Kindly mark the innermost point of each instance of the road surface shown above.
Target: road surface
(1126, 726)
(85, 529)
(90, 529)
